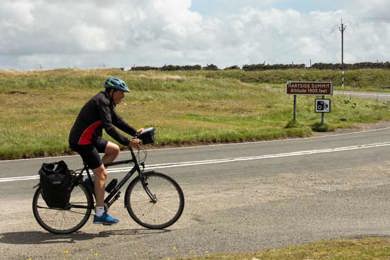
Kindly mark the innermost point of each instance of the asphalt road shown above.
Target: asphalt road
(372, 95)
(239, 198)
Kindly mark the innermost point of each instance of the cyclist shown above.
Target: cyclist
(86, 139)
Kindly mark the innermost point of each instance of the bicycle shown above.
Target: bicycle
(153, 199)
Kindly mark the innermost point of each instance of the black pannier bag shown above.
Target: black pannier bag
(55, 181)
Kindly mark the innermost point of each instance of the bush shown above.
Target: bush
(272, 67)
(360, 65)
(318, 127)
(210, 67)
(235, 67)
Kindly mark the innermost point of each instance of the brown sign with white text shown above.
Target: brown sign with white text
(309, 88)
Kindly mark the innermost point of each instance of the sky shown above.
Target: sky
(124, 33)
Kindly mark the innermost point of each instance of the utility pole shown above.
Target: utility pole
(342, 29)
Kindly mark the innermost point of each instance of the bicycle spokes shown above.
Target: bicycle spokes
(154, 200)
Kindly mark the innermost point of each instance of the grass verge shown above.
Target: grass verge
(351, 249)
(37, 109)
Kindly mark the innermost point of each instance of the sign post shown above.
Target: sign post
(322, 106)
(295, 108)
(311, 88)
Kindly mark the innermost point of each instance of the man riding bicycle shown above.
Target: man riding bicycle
(86, 139)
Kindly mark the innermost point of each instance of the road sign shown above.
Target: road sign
(322, 105)
(309, 88)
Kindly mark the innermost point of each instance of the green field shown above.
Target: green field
(363, 79)
(38, 108)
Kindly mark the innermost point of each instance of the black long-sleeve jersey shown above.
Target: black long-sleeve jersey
(98, 113)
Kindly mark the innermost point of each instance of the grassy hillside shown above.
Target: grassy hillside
(363, 79)
(37, 109)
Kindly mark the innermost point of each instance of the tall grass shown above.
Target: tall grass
(370, 79)
(37, 109)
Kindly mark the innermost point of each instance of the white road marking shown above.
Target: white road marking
(227, 160)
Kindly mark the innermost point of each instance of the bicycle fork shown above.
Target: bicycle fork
(145, 184)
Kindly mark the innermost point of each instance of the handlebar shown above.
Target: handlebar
(146, 137)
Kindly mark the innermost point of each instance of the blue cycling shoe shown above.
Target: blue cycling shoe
(105, 219)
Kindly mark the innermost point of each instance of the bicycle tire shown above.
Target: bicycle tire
(167, 192)
(80, 198)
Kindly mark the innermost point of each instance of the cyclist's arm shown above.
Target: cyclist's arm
(122, 125)
(105, 116)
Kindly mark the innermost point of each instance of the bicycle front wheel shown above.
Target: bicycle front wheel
(154, 200)
(64, 221)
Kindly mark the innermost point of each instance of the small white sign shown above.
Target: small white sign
(322, 105)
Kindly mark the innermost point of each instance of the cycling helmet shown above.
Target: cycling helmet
(116, 83)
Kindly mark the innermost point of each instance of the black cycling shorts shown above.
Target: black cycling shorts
(90, 152)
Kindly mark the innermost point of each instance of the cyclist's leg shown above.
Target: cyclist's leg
(110, 150)
(100, 181)
(90, 156)
(100, 172)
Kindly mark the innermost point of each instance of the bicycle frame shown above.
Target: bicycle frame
(115, 193)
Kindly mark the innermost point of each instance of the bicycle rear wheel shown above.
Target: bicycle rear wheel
(64, 221)
(156, 201)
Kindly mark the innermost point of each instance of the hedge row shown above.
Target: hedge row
(360, 65)
(253, 67)
(273, 66)
(177, 67)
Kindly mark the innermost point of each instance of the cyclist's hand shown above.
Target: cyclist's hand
(140, 131)
(135, 143)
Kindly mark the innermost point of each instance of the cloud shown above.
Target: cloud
(372, 10)
(156, 32)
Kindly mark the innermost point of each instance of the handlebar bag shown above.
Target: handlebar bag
(147, 136)
(55, 182)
